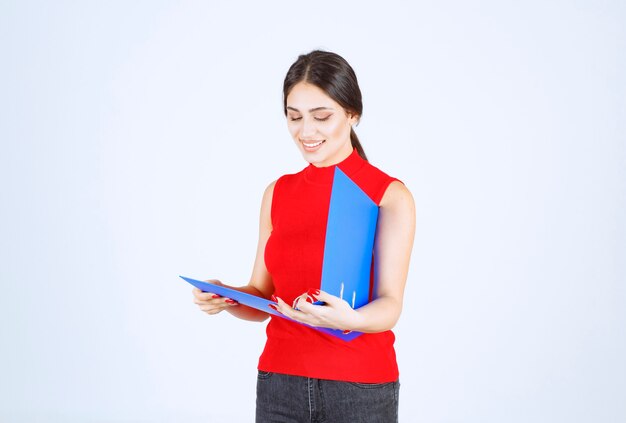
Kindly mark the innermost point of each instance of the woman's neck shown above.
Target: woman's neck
(338, 157)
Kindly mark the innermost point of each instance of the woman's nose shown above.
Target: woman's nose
(308, 127)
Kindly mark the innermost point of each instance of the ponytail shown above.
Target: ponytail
(354, 140)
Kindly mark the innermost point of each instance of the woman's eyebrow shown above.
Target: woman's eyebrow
(310, 110)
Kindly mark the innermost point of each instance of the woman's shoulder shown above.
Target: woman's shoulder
(270, 188)
(397, 196)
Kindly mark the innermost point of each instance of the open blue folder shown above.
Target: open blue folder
(260, 304)
(348, 253)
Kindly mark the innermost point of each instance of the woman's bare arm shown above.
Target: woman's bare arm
(392, 252)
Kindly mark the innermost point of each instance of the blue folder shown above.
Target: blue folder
(348, 253)
(260, 304)
(349, 242)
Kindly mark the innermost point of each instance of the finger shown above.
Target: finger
(288, 311)
(213, 309)
(325, 297)
(217, 300)
(209, 307)
(313, 296)
(300, 300)
(282, 306)
(217, 305)
(197, 292)
(274, 306)
(204, 296)
(296, 315)
(304, 303)
(307, 308)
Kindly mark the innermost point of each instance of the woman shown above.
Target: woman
(304, 374)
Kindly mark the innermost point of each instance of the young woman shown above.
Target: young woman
(304, 374)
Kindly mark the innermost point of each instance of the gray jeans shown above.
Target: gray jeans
(296, 399)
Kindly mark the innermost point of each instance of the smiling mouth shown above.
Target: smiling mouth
(312, 144)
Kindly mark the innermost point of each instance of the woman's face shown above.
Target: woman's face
(319, 125)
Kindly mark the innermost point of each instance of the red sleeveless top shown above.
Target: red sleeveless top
(293, 256)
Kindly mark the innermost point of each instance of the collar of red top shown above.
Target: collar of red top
(321, 175)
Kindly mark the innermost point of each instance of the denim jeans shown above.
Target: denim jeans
(284, 398)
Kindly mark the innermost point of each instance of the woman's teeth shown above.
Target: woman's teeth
(312, 145)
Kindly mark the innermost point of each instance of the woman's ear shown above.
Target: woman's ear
(354, 118)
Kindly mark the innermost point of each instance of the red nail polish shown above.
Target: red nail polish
(345, 332)
(272, 306)
(274, 298)
(229, 301)
(215, 296)
(313, 292)
(308, 299)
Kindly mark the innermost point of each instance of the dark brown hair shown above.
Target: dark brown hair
(332, 74)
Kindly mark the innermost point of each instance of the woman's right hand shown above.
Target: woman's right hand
(212, 303)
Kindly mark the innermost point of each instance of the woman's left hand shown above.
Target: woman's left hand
(335, 313)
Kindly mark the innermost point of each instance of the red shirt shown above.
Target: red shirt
(293, 256)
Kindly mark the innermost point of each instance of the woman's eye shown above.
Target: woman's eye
(293, 119)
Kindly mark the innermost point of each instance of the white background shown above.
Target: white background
(138, 137)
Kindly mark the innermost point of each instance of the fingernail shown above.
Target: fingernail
(274, 298)
(308, 299)
(229, 301)
(272, 306)
(313, 293)
(345, 332)
(215, 296)
(295, 303)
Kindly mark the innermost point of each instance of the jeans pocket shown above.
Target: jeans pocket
(371, 385)
(262, 375)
